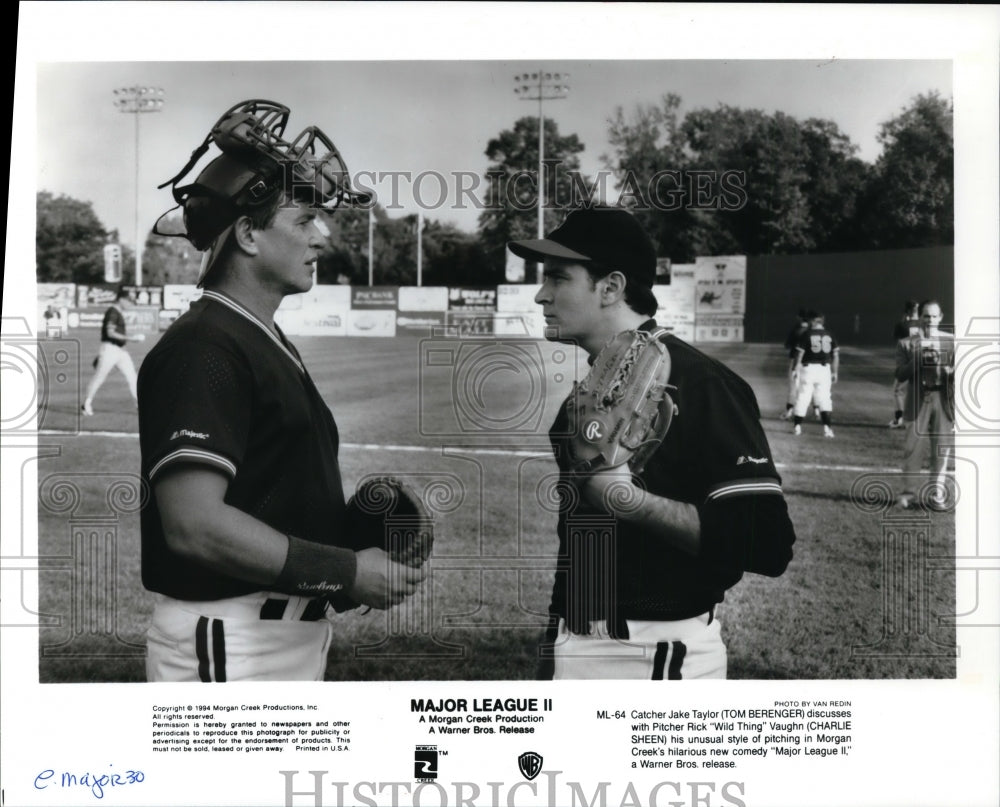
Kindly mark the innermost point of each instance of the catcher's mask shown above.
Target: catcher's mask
(256, 165)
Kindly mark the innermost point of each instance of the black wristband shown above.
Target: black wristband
(313, 569)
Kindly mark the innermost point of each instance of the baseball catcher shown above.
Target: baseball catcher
(385, 513)
(245, 537)
(622, 410)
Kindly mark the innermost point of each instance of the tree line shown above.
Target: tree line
(710, 182)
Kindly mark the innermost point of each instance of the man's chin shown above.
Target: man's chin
(553, 334)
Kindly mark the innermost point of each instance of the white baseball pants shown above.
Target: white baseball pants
(676, 650)
(230, 640)
(815, 384)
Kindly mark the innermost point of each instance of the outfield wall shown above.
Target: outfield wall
(861, 293)
(716, 299)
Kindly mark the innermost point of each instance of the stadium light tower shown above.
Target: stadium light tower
(541, 85)
(136, 100)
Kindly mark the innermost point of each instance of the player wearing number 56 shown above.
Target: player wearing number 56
(246, 537)
(658, 524)
(817, 363)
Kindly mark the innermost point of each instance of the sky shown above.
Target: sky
(428, 119)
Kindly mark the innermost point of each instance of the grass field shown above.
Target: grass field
(466, 423)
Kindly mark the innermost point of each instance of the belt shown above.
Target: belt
(274, 608)
(618, 628)
(266, 605)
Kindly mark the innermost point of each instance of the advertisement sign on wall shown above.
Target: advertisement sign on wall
(469, 323)
(420, 321)
(519, 323)
(53, 303)
(141, 319)
(423, 298)
(465, 298)
(318, 297)
(84, 318)
(379, 297)
(518, 298)
(720, 284)
(313, 322)
(366, 322)
(179, 296)
(327, 296)
(144, 295)
(56, 294)
(95, 296)
(676, 301)
(718, 328)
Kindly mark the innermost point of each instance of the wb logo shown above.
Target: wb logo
(530, 764)
(425, 763)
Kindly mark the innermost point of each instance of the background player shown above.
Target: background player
(243, 537)
(927, 362)
(112, 353)
(791, 341)
(791, 345)
(817, 361)
(907, 327)
(637, 584)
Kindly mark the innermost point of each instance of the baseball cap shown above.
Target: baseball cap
(606, 235)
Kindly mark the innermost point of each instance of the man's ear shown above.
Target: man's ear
(244, 235)
(614, 287)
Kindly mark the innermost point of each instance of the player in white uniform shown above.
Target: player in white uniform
(817, 361)
(112, 353)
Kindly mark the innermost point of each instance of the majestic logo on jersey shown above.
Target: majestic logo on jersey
(530, 764)
(592, 431)
(425, 763)
(745, 459)
(188, 433)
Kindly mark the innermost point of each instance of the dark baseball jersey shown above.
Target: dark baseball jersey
(221, 390)
(113, 320)
(817, 346)
(792, 340)
(716, 457)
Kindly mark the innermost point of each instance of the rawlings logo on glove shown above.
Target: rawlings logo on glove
(622, 410)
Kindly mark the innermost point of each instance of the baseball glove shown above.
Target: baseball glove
(622, 410)
(385, 513)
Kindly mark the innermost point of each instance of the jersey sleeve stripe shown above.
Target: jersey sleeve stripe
(194, 455)
(744, 487)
